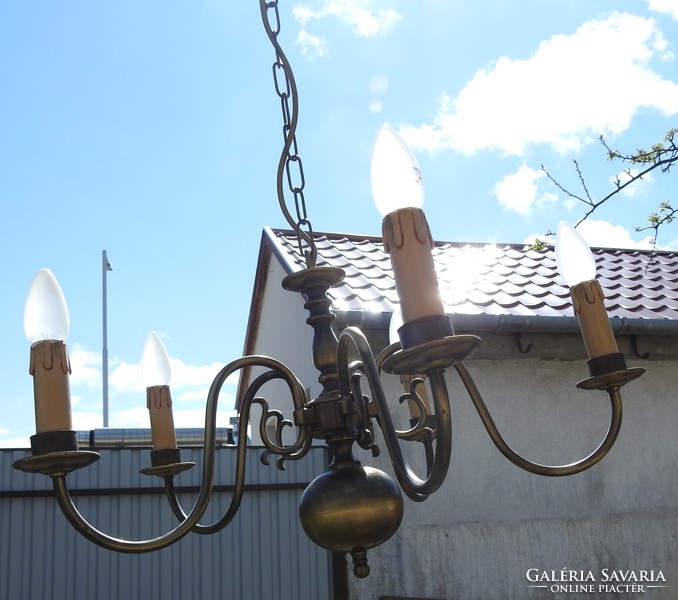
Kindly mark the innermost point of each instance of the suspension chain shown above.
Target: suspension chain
(290, 166)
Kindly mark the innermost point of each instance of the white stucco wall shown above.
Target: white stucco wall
(283, 335)
(491, 522)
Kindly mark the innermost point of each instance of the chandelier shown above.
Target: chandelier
(350, 508)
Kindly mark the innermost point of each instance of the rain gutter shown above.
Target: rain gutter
(516, 323)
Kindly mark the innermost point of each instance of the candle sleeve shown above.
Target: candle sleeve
(588, 301)
(50, 368)
(159, 402)
(408, 241)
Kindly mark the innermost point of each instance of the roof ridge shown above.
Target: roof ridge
(515, 245)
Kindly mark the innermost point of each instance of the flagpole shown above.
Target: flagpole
(105, 267)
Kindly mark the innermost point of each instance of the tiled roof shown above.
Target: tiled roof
(494, 279)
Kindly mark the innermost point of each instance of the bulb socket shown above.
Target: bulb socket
(424, 330)
(168, 456)
(608, 363)
(54, 441)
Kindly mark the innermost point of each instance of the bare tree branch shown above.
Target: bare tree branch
(661, 156)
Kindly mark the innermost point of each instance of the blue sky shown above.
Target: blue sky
(152, 130)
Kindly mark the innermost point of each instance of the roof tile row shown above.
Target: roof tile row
(494, 279)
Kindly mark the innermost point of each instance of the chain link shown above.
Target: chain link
(290, 166)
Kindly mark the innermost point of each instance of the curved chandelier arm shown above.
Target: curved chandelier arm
(96, 536)
(190, 521)
(415, 487)
(537, 468)
(293, 452)
(84, 528)
(239, 485)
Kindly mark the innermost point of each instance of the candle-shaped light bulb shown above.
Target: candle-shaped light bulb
(573, 256)
(398, 191)
(45, 312)
(155, 372)
(47, 325)
(578, 268)
(394, 173)
(155, 363)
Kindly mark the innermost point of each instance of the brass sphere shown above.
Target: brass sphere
(351, 508)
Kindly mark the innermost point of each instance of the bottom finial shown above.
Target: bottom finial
(360, 567)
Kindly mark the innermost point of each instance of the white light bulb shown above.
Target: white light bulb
(45, 312)
(155, 363)
(573, 256)
(394, 173)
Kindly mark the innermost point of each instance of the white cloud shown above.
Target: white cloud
(137, 417)
(85, 367)
(134, 417)
(637, 187)
(126, 377)
(573, 88)
(193, 395)
(312, 45)
(84, 420)
(518, 191)
(16, 442)
(184, 375)
(669, 7)
(303, 13)
(190, 384)
(363, 20)
(196, 417)
(226, 397)
(602, 234)
(606, 235)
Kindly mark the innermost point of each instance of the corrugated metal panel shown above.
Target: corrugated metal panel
(263, 554)
(142, 438)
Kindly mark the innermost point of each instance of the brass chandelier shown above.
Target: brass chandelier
(350, 508)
